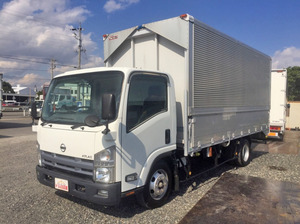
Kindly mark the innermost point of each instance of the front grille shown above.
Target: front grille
(75, 166)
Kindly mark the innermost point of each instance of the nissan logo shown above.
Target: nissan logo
(63, 147)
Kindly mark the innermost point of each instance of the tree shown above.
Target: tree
(38, 94)
(7, 87)
(293, 74)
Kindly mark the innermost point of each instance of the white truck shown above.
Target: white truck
(176, 97)
(293, 116)
(278, 103)
(1, 94)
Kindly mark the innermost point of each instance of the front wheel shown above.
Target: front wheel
(158, 186)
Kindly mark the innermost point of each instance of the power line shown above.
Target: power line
(23, 69)
(35, 60)
(22, 59)
(71, 66)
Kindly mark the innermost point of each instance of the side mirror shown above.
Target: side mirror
(33, 111)
(108, 109)
(288, 106)
(108, 106)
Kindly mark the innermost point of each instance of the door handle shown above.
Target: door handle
(167, 136)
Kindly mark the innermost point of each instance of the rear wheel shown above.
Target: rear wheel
(243, 153)
(158, 186)
(280, 137)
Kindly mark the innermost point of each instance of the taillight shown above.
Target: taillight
(275, 128)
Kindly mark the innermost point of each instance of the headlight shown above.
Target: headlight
(104, 165)
(40, 158)
(39, 153)
(106, 156)
(103, 175)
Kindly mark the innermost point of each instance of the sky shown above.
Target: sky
(34, 32)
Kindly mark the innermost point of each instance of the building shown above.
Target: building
(22, 94)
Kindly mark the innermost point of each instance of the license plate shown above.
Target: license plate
(273, 134)
(61, 184)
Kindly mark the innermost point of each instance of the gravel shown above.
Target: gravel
(24, 200)
(281, 167)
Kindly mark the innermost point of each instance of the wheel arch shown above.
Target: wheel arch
(164, 154)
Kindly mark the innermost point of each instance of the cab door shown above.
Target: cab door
(146, 124)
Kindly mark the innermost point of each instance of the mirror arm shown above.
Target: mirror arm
(108, 110)
(106, 130)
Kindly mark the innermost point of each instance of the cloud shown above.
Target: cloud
(8, 64)
(87, 62)
(93, 61)
(37, 31)
(289, 56)
(114, 5)
(30, 27)
(28, 79)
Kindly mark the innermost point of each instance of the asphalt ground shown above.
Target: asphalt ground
(15, 124)
(24, 200)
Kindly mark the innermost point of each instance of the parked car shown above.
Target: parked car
(7, 103)
(12, 105)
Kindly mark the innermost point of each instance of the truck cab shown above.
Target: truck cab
(100, 159)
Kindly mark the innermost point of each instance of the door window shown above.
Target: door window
(147, 98)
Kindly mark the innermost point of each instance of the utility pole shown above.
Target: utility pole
(53, 66)
(78, 37)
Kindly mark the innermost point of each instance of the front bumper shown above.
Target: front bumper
(82, 188)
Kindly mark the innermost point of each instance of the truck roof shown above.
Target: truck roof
(167, 28)
(279, 70)
(126, 70)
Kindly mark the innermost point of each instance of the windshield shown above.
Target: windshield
(71, 99)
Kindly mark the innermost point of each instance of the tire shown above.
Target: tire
(158, 186)
(281, 137)
(244, 153)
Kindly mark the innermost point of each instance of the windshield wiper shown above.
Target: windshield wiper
(92, 120)
(77, 126)
(45, 123)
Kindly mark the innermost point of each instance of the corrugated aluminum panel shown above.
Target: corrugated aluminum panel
(231, 89)
(226, 72)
